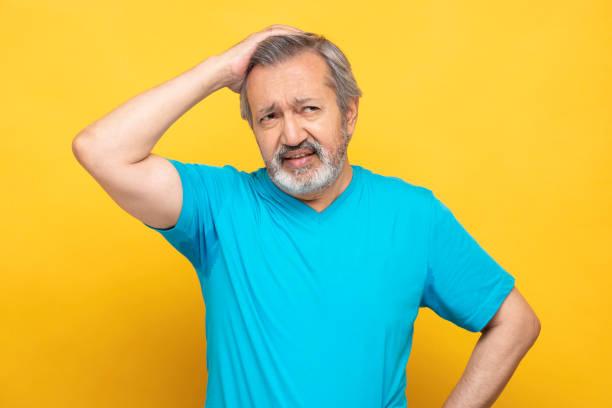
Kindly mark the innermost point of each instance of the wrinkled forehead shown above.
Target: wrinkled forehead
(295, 80)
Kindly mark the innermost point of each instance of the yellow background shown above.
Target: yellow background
(503, 109)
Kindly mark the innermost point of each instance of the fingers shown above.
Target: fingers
(275, 29)
(282, 26)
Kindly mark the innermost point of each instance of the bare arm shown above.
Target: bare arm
(116, 149)
(127, 134)
(503, 343)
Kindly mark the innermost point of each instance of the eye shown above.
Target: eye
(265, 117)
(311, 107)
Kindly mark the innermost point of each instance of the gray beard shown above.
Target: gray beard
(307, 180)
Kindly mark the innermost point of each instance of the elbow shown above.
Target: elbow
(536, 327)
(522, 331)
(80, 148)
(84, 146)
(531, 328)
(77, 146)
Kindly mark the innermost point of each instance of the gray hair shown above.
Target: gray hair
(278, 48)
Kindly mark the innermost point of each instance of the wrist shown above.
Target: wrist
(215, 72)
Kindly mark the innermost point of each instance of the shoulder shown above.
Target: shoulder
(226, 170)
(208, 174)
(397, 189)
(212, 182)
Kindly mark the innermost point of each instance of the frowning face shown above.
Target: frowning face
(298, 124)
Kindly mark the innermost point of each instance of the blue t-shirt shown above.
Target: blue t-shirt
(309, 309)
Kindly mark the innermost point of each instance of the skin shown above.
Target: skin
(315, 124)
(505, 340)
(236, 59)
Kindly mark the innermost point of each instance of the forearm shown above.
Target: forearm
(491, 365)
(129, 132)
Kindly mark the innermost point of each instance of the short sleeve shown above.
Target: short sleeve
(464, 284)
(204, 189)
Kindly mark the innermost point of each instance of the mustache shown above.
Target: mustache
(306, 145)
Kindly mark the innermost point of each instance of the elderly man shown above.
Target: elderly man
(313, 270)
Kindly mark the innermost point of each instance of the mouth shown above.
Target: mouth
(298, 160)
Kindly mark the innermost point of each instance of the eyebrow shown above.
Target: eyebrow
(296, 101)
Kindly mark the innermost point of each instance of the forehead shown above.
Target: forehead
(302, 76)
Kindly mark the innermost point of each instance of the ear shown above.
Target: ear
(351, 114)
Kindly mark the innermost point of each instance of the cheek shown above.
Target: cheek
(268, 146)
(327, 127)
(329, 136)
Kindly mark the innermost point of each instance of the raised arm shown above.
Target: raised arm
(116, 149)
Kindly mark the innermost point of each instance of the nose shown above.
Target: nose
(293, 134)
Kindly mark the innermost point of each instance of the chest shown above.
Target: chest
(367, 271)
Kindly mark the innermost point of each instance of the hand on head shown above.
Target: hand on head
(237, 57)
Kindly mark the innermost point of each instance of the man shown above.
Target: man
(312, 270)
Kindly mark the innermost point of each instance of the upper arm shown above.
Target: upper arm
(515, 309)
(463, 284)
(150, 189)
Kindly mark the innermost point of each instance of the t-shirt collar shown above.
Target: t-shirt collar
(299, 207)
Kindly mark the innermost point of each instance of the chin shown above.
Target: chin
(305, 180)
